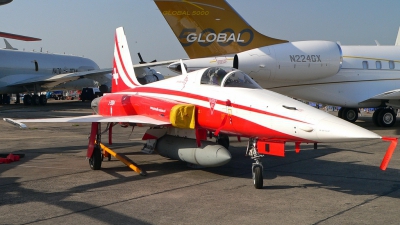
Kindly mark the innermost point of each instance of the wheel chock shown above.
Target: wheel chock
(123, 159)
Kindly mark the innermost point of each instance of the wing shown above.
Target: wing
(393, 94)
(89, 119)
(151, 64)
(50, 81)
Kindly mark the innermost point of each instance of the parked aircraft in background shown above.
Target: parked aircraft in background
(183, 111)
(34, 72)
(3, 2)
(213, 34)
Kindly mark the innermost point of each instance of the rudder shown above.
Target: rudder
(123, 74)
(211, 27)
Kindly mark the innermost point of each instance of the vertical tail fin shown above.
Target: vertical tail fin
(398, 38)
(211, 27)
(123, 74)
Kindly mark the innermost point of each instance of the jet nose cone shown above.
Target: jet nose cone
(333, 129)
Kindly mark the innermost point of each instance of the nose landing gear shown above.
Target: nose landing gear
(257, 167)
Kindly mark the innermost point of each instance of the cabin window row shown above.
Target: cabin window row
(378, 65)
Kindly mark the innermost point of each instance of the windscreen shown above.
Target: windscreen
(239, 79)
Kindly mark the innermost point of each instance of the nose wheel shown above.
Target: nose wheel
(258, 178)
(257, 167)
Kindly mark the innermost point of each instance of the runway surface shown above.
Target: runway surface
(53, 184)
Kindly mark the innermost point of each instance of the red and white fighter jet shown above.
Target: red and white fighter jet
(183, 111)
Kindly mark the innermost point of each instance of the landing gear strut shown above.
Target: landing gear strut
(257, 167)
(97, 156)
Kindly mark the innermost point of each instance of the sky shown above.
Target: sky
(86, 27)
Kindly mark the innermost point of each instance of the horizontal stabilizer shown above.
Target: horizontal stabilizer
(18, 37)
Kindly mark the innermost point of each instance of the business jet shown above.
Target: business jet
(214, 34)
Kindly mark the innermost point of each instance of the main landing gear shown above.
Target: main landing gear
(257, 167)
(384, 117)
(97, 156)
(35, 99)
(348, 114)
(97, 151)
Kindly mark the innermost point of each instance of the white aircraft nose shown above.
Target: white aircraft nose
(333, 129)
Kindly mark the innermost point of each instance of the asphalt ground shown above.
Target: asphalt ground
(53, 184)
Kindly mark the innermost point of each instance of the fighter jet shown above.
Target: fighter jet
(184, 111)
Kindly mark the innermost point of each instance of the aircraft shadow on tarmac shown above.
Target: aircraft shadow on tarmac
(59, 199)
(345, 177)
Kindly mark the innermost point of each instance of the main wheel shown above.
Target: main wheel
(340, 112)
(224, 141)
(95, 160)
(386, 117)
(27, 100)
(375, 117)
(258, 177)
(35, 100)
(42, 100)
(350, 114)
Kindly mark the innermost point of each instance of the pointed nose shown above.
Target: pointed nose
(333, 129)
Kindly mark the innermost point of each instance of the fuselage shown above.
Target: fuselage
(248, 112)
(364, 72)
(19, 66)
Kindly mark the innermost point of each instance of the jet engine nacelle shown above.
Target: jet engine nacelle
(178, 148)
(293, 61)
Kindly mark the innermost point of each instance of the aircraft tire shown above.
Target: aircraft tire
(375, 117)
(386, 117)
(224, 141)
(258, 177)
(350, 114)
(95, 160)
(35, 100)
(340, 112)
(27, 100)
(42, 100)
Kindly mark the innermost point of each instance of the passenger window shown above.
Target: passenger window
(365, 65)
(378, 65)
(391, 65)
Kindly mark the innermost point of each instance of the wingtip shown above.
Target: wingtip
(15, 123)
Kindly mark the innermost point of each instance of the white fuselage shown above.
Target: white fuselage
(20, 66)
(255, 107)
(353, 84)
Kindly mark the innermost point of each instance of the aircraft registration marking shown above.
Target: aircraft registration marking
(305, 58)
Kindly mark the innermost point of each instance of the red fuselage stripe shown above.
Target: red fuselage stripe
(202, 98)
(122, 62)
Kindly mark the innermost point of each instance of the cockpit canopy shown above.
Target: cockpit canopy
(228, 77)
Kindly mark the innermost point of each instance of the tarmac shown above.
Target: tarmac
(53, 184)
